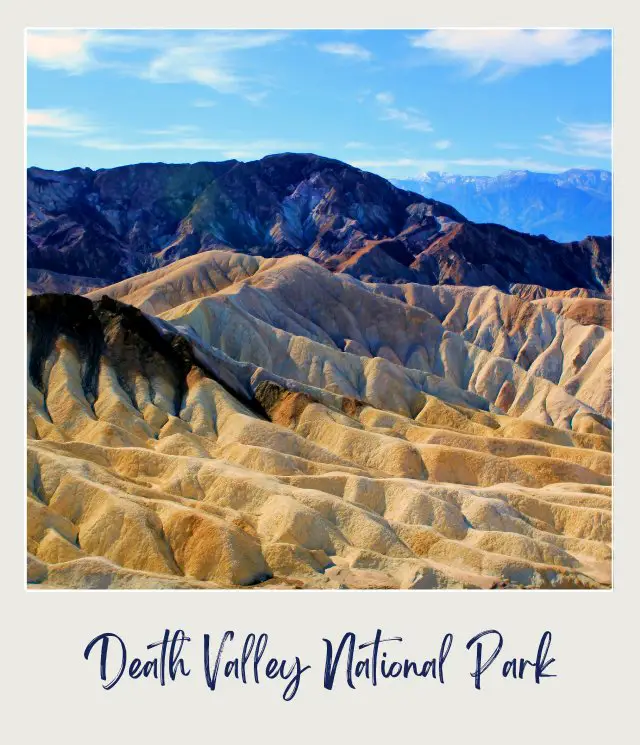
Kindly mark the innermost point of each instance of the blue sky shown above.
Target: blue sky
(394, 102)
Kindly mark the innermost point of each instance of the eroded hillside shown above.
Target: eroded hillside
(232, 420)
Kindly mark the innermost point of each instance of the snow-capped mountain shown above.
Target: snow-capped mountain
(564, 206)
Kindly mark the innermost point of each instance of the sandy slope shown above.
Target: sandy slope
(279, 425)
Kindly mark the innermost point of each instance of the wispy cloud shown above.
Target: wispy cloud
(510, 164)
(578, 138)
(61, 50)
(204, 103)
(344, 49)
(239, 150)
(411, 165)
(507, 146)
(409, 118)
(77, 51)
(397, 163)
(356, 145)
(172, 130)
(498, 52)
(206, 58)
(56, 123)
(385, 98)
(256, 98)
(442, 144)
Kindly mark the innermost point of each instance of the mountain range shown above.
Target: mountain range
(291, 373)
(563, 206)
(103, 226)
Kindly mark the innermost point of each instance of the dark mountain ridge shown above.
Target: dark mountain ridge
(114, 223)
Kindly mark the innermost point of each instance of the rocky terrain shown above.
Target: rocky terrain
(276, 404)
(564, 206)
(108, 225)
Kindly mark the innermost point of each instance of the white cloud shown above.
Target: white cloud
(405, 166)
(207, 59)
(226, 149)
(442, 144)
(256, 98)
(179, 65)
(78, 51)
(507, 146)
(395, 163)
(385, 98)
(508, 164)
(203, 103)
(503, 51)
(587, 140)
(409, 118)
(178, 144)
(174, 129)
(56, 123)
(343, 49)
(356, 145)
(61, 50)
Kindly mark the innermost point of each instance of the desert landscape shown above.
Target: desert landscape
(289, 373)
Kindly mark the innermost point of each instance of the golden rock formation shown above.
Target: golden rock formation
(233, 421)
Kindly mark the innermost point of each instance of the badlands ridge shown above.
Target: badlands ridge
(229, 420)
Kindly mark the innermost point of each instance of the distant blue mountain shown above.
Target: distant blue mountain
(563, 206)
